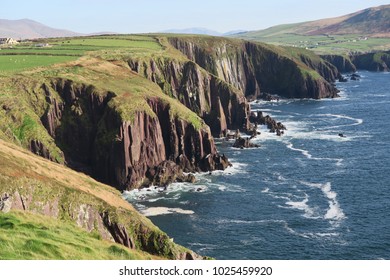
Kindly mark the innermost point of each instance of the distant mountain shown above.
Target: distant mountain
(201, 31)
(374, 22)
(193, 30)
(29, 29)
(233, 32)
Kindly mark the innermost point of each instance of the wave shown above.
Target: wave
(157, 211)
(233, 221)
(357, 121)
(303, 206)
(334, 213)
(338, 161)
(304, 152)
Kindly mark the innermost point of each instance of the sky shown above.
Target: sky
(144, 16)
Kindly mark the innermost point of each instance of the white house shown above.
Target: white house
(7, 41)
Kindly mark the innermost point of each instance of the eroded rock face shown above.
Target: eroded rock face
(219, 104)
(343, 64)
(252, 67)
(379, 61)
(152, 148)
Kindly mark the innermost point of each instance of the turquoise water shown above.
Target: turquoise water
(310, 194)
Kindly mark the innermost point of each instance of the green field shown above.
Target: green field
(28, 236)
(15, 63)
(321, 44)
(36, 54)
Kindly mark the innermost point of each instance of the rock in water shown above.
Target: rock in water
(244, 143)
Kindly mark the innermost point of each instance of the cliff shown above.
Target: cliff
(31, 184)
(254, 68)
(377, 61)
(125, 132)
(221, 105)
(342, 62)
(155, 146)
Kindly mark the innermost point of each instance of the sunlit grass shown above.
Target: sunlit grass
(29, 236)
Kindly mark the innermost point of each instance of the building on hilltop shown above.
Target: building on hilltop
(8, 41)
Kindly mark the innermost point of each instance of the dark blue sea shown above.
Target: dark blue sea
(310, 194)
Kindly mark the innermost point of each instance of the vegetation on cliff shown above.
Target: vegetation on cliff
(29, 236)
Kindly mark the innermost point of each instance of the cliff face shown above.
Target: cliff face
(343, 63)
(61, 193)
(153, 148)
(378, 61)
(253, 67)
(218, 103)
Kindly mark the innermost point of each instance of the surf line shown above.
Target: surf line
(310, 156)
(356, 121)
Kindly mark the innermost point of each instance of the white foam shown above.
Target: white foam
(303, 206)
(307, 154)
(232, 221)
(356, 121)
(304, 152)
(236, 168)
(334, 213)
(157, 211)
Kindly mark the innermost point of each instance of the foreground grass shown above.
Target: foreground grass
(16, 63)
(31, 236)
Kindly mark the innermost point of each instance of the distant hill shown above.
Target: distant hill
(201, 31)
(29, 29)
(361, 32)
(374, 22)
(193, 30)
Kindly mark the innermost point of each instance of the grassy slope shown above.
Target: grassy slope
(337, 36)
(44, 182)
(30, 236)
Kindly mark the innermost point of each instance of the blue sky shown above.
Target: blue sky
(141, 16)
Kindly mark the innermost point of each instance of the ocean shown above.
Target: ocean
(309, 194)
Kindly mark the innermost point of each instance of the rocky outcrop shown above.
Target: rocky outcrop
(242, 143)
(218, 103)
(38, 148)
(252, 67)
(156, 146)
(274, 127)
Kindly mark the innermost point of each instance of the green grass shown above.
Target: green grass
(29, 55)
(29, 236)
(321, 44)
(17, 63)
